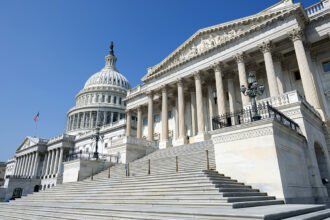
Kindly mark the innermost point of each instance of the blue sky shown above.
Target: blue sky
(48, 49)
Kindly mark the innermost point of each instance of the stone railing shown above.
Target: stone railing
(285, 99)
(317, 8)
(132, 141)
(60, 137)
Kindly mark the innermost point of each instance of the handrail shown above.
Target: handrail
(89, 156)
(245, 116)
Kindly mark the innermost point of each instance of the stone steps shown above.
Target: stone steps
(190, 193)
(174, 203)
(322, 214)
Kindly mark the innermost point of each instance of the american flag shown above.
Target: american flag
(36, 117)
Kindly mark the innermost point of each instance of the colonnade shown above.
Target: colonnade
(27, 165)
(273, 73)
(52, 162)
(89, 119)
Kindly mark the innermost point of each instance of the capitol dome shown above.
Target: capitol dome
(101, 101)
(108, 76)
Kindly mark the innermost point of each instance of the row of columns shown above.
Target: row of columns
(99, 98)
(27, 165)
(89, 119)
(275, 84)
(53, 162)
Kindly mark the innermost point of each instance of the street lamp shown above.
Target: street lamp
(254, 89)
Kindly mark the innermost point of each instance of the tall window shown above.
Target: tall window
(109, 98)
(326, 66)
(297, 75)
(119, 101)
(114, 100)
(156, 118)
(145, 121)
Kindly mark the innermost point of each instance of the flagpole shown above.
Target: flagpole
(35, 129)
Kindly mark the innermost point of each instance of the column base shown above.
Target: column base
(180, 141)
(164, 144)
(201, 137)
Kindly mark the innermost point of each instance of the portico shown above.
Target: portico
(210, 85)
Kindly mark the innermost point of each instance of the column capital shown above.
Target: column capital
(217, 67)
(163, 88)
(265, 47)
(139, 108)
(296, 34)
(179, 81)
(240, 57)
(128, 111)
(197, 75)
(149, 93)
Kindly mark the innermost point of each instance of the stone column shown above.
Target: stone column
(83, 120)
(139, 122)
(90, 120)
(111, 117)
(220, 91)
(150, 117)
(28, 163)
(211, 104)
(31, 164)
(52, 161)
(176, 118)
(128, 122)
(78, 121)
(105, 117)
(20, 171)
(199, 105)
(49, 154)
(56, 161)
(36, 165)
(265, 48)
(193, 112)
(242, 76)
(164, 141)
(17, 166)
(182, 134)
(232, 99)
(279, 73)
(44, 165)
(296, 36)
(23, 165)
(60, 162)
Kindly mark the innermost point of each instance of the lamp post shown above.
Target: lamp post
(254, 89)
(96, 137)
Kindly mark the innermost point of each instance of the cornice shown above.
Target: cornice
(157, 70)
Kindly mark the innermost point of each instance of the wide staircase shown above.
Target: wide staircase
(174, 183)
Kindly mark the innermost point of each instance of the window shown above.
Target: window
(326, 66)
(114, 99)
(109, 98)
(145, 121)
(103, 98)
(156, 118)
(169, 114)
(297, 75)
(119, 101)
(106, 145)
(122, 115)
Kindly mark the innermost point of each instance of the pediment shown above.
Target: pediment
(28, 142)
(208, 39)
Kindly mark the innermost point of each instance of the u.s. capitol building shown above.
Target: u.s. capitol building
(202, 95)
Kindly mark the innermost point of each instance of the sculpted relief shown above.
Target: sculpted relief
(205, 43)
